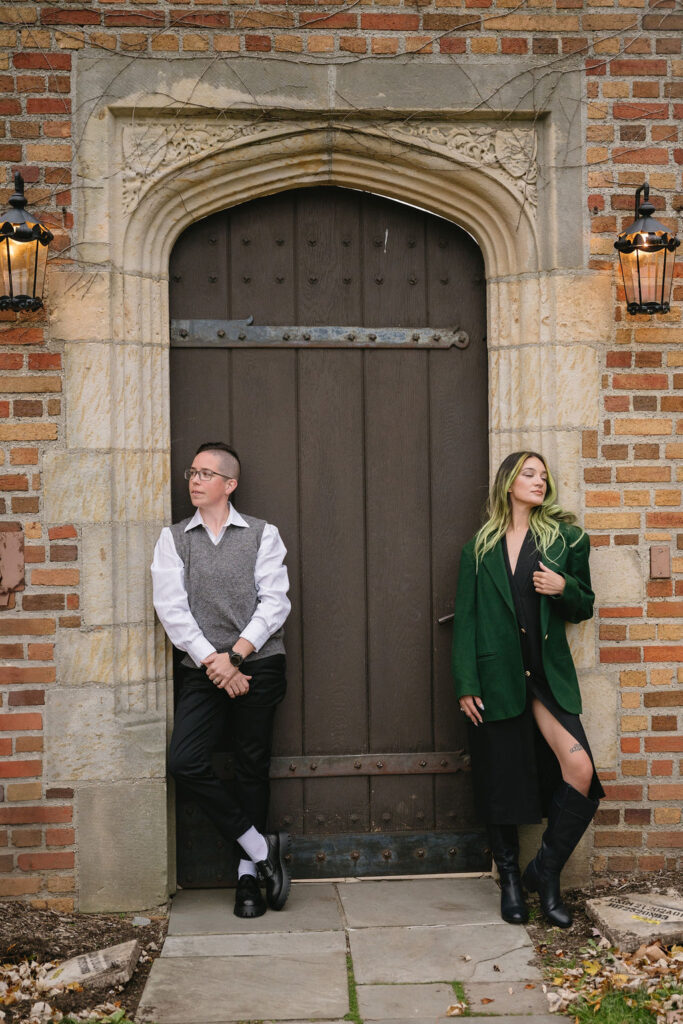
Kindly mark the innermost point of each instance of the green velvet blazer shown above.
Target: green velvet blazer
(487, 653)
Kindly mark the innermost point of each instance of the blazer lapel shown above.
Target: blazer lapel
(494, 563)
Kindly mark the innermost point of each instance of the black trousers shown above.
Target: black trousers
(207, 720)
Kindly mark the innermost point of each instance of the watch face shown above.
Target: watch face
(236, 659)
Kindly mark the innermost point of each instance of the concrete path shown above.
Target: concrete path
(399, 945)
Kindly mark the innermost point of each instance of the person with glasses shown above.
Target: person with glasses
(220, 591)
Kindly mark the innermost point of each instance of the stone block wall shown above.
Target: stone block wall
(629, 54)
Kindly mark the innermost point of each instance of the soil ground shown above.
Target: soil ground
(44, 935)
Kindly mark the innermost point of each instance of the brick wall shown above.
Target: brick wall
(633, 464)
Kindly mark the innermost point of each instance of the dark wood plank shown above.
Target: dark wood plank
(455, 279)
(200, 411)
(394, 273)
(332, 806)
(261, 260)
(332, 551)
(398, 580)
(198, 270)
(328, 257)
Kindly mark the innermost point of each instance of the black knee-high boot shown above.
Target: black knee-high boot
(505, 849)
(569, 816)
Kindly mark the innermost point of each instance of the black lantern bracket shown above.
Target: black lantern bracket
(647, 254)
(23, 255)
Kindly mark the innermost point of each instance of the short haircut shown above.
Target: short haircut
(230, 460)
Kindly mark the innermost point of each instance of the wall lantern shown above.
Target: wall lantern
(647, 253)
(23, 255)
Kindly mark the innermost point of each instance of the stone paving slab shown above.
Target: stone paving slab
(222, 989)
(431, 953)
(519, 1000)
(421, 901)
(638, 918)
(311, 907)
(404, 1002)
(262, 944)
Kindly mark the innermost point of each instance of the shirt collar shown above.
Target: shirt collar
(234, 519)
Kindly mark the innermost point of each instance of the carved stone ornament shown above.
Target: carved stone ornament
(152, 151)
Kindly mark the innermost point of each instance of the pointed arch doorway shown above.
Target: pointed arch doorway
(357, 399)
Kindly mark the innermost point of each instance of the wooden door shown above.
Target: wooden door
(357, 400)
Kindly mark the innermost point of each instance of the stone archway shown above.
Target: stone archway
(153, 166)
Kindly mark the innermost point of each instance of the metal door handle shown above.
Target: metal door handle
(446, 618)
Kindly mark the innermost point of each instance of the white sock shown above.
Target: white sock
(253, 844)
(246, 867)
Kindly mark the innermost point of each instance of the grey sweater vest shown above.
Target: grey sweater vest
(220, 585)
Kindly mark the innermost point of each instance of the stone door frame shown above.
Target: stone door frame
(163, 144)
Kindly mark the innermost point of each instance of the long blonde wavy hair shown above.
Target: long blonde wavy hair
(544, 520)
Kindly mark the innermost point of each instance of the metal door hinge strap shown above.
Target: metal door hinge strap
(236, 333)
(335, 765)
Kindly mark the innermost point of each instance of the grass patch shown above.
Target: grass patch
(614, 1008)
(354, 1013)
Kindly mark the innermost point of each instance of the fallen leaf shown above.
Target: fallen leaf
(456, 1009)
(496, 968)
(486, 1001)
(530, 986)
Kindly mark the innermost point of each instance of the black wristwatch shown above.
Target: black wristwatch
(236, 659)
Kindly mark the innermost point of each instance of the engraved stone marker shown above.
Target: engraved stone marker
(102, 969)
(636, 918)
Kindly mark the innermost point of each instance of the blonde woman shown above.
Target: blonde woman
(522, 577)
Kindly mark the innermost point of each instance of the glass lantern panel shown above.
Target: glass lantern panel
(667, 276)
(650, 265)
(41, 264)
(629, 269)
(5, 285)
(22, 257)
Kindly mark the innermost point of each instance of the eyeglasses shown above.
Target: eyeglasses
(204, 474)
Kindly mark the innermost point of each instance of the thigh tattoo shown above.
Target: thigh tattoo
(575, 749)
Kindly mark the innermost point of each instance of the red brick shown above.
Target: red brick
(43, 61)
(26, 698)
(57, 793)
(651, 863)
(148, 18)
(5, 747)
(22, 336)
(20, 769)
(69, 17)
(664, 743)
(27, 627)
(622, 838)
(662, 791)
(55, 577)
(664, 723)
(630, 744)
(40, 861)
(640, 68)
(637, 815)
(44, 361)
(13, 482)
(16, 886)
(514, 45)
(658, 519)
(640, 111)
(34, 814)
(621, 613)
(212, 19)
(629, 155)
(663, 839)
(665, 609)
(257, 43)
(640, 381)
(662, 767)
(62, 532)
(20, 722)
(43, 602)
(10, 107)
(663, 653)
(618, 359)
(319, 19)
(450, 45)
(63, 552)
(394, 22)
(621, 865)
(620, 655)
(47, 105)
(33, 674)
(59, 836)
(618, 792)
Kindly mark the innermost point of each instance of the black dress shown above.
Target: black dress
(514, 770)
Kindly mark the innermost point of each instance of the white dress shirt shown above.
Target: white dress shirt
(170, 596)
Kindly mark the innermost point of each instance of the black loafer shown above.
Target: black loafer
(249, 901)
(273, 870)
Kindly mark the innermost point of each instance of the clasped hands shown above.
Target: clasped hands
(224, 674)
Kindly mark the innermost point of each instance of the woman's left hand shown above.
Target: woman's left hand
(547, 582)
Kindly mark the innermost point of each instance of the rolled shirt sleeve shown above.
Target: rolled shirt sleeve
(272, 584)
(171, 603)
